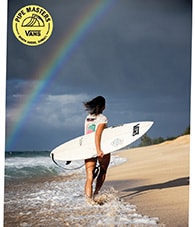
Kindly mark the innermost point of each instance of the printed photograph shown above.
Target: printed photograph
(97, 113)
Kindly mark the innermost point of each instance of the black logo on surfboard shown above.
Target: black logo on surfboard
(135, 130)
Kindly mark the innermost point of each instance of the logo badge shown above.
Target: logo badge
(32, 25)
(116, 142)
(135, 130)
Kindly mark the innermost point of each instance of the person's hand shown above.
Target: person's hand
(100, 154)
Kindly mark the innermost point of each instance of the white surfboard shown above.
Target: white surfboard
(113, 139)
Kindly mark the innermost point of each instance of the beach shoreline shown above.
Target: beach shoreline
(151, 185)
(156, 179)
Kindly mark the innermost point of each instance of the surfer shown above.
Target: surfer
(95, 122)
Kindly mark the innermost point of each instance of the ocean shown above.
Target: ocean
(40, 194)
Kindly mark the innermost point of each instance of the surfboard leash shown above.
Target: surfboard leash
(67, 163)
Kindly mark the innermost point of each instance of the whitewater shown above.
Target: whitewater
(38, 193)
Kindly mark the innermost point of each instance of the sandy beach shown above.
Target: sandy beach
(156, 179)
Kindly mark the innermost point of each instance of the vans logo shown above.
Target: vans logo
(33, 33)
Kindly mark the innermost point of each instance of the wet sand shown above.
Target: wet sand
(156, 179)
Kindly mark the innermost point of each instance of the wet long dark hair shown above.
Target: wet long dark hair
(96, 105)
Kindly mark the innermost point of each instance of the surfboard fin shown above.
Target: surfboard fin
(68, 162)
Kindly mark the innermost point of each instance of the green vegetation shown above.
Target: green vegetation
(146, 140)
(187, 131)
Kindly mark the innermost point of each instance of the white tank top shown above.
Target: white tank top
(92, 122)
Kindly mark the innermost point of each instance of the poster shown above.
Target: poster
(61, 54)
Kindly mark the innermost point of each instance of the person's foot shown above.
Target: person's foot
(90, 201)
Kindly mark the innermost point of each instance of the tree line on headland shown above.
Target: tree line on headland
(146, 140)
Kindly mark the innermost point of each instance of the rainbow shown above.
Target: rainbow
(46, 73)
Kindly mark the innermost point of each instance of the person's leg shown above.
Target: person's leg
(104, 162)
(89, 166)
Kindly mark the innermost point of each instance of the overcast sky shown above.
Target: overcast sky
(137, 55)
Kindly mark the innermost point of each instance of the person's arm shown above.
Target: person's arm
(98, 135)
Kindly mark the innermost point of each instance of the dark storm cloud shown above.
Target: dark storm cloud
(126, 41)
(127, 52)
